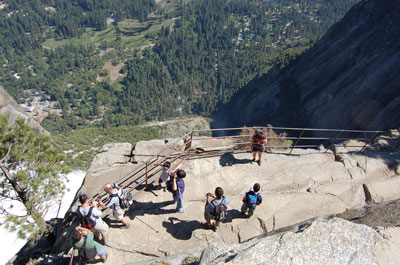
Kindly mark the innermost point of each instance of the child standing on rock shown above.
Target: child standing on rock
(251, 200)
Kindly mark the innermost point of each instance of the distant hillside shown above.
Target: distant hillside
(12, 110)
(114, 63)
(349, 79)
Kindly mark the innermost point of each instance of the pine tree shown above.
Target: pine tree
(32, 173)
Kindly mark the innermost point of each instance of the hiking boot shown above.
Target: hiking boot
(259, 162)
(214, 228)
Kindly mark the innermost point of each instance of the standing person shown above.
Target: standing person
(114, 202)
(251, 200)
(89, 210)
(178, 187)
(258, 142)
(215, 209)
(83, 239)
(166, 172)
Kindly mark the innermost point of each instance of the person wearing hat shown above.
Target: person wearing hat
(258, 142)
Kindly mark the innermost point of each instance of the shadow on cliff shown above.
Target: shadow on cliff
(227, 160)
(181, 229)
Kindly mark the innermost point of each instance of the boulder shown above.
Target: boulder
(145, 150)
(294, 207)
(352, 195)
(206, 144)
(324, 242)
(109, 156)
(384, 190)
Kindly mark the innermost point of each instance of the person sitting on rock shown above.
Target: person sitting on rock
(258, 142)
(251, 200)
(216, 209)
(83, 239)
(178, 187)
(114, 202)
(95, 215)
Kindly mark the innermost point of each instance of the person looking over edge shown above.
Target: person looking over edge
(90, 211)
(83, 239)
(114, 202)
(178, 187)
(251, 200)
(258, 142)
(216, 209)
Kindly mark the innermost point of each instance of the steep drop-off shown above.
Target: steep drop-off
(349, 79)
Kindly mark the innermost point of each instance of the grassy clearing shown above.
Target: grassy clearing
(132, 34)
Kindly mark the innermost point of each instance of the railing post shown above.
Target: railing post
(334, 141)
(190, 145)
(369, 140)
(298, 138)
(146, 173)
(365, 150)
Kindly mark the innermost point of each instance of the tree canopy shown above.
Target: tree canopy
(32, 173)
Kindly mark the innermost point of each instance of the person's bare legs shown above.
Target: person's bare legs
(259, 158)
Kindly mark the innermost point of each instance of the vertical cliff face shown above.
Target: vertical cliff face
(349, 79)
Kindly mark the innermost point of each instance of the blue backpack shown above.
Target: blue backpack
(252, 200)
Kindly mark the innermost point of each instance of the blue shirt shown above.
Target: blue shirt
(113, 201)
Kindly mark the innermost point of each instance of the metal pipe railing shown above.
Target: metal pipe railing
(143, 173)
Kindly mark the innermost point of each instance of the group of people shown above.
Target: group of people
(89, 212)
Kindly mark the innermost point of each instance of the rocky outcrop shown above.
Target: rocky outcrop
(302, 186)
(347, 80)
(10, 108)
(325, 242)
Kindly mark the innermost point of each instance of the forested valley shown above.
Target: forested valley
(109, 63)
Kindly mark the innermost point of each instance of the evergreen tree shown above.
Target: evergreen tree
(32, 173)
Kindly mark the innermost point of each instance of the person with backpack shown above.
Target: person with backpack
(90, 217)
(114, 201)
(258, 142)
(83, 240)
(216, 209)
(178, 187)
(251, 200)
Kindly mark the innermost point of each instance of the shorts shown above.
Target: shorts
(118, 214)
(258, 148)
(102, 251)
(102, 228)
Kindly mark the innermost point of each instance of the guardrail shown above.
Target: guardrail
(289, 138)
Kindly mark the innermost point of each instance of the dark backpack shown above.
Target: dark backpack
(220, 210)
(85, 220)
(87, 254)
(169, 185)
(252, 200)
(125, 197)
